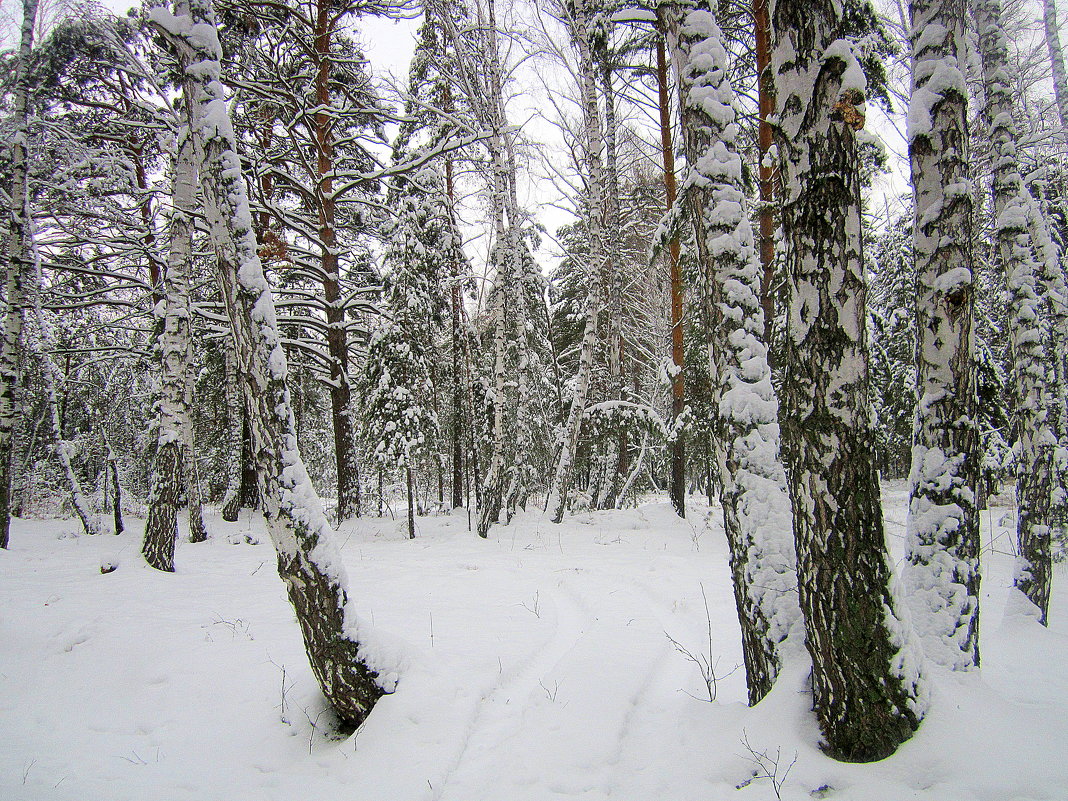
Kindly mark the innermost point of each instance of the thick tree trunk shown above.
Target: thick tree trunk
(308, 561)
(17, 265)
(756, 508)
(942, 535)
(865, 676)
(1016, 254)
(677, 485)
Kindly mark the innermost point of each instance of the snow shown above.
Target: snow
(534, 665)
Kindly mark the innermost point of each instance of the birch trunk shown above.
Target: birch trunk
(235, 417)
(308, 560)
(17, 264)
(1056, 61)
(503, 299)
(174, 438)
(942, 533)
(1016, 256)
(756, 507)
(867, 688)
(581, 28)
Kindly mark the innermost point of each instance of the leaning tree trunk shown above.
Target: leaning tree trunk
(41, 341)
(756, 507)
(866, 681)
(17, 264)
(1016, 255)
(308, 560)
(174, 440)
(582, 30)
(942, 534)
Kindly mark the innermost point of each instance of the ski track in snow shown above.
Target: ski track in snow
(538, 666)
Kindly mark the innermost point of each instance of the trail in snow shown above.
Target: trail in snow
(537, 667)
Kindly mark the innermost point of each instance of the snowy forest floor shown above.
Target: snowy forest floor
(536, 665)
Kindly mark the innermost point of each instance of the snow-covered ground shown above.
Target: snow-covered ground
(537, 665)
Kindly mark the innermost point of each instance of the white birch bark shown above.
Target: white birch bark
(1056, 61)
(503, 306)
(581, 21)
(868, 693)
(17, 265)
(756, 507)
(942, 532)
(308, 559)
(1016, 256)
(173, 439)
(235, 416)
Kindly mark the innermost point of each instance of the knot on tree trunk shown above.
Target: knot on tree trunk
(850, 109)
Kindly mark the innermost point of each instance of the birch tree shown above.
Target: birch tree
(173, 435)
(308, 560)
(17, 263)
(1017, 257)
(868, 693)
(756, 507)
(583, 21)
(942, 534)
(1056, 60)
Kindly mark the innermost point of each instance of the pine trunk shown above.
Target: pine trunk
(308, 561)
(336, 337)
(942, 534)
(1017, 258)
(677, 485)
(756, 508)
(766, 168)
(865, 680)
